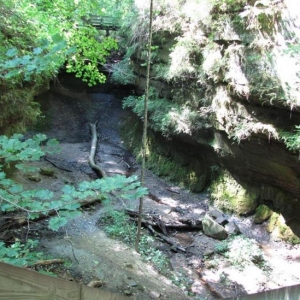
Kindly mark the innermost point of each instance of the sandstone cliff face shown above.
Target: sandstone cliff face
(226, 74)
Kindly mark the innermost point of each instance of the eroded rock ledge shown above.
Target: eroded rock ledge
(226, 76)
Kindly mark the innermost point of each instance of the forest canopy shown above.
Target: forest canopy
(40, 37)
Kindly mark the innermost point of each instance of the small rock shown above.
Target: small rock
(213, 229)
(140, 287)
(131, 284)
(95, 283)
(35, 178)
(214, 213)
(209, 252)
(232, 228)
(127, 292)
(221, 220)
(154, 294)
(129, 266)
(47, 172)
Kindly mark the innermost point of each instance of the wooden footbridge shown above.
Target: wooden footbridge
(106, 23)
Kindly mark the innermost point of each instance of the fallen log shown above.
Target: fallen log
(173, 244)
(152, 222)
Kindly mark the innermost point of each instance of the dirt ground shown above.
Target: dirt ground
(199, 272)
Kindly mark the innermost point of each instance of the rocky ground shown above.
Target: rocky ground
(205, 269)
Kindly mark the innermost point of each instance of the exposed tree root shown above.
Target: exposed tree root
(100, 171)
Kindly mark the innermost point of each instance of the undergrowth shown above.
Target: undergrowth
(117, 225)
(292, 139)
(20, 254)
(26, 255)
(241, 252)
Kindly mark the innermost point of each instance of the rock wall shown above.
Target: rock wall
(227, 76)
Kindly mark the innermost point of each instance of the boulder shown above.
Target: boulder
(213, 229)
(262, 213)
(218, 216)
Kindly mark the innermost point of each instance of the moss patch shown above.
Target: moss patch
(47, 172)
(262, 214)
(280, 230)
(163, 158)
(229, 195)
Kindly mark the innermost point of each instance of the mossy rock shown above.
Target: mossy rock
(34, 177)
(280, 230)
(262, 214)
(47, 172)
(229, 195)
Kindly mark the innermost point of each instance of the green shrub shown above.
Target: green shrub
(241, 252)
(19, 254)
(119, 226)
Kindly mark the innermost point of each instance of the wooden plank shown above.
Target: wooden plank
(286, 293)
(89, 293)
(18, 283)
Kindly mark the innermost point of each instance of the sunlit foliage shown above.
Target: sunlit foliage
(38, 39)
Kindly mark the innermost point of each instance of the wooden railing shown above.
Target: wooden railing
(20, 283)
(286, 293)
(103, 22)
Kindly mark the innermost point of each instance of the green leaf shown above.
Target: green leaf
(34, 216)
(57, 38)
(72, 206)
(68, 189)
(83, 186)
(56, 204)
(37, 50)
(40, 137)
(43, 194)
(12, 74)
(16, 188)
(70, 214)
(11, 52)
(56, 222)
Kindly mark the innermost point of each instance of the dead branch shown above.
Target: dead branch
(154, 198)
(46, 262)
(173, 191)
(152, 221)
(17, 221)
(174, 245)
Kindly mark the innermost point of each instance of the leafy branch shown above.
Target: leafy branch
(13, 196)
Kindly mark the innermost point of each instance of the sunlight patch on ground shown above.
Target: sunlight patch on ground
(251, 278)
(169, 201)
(198, 210)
